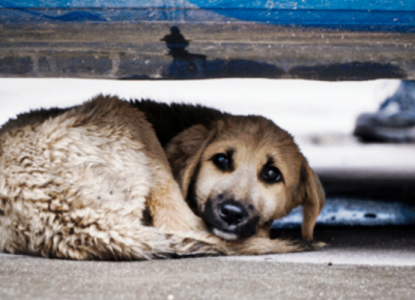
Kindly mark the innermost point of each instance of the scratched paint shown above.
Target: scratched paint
(353, 212)
(406, 5)
(365, 15)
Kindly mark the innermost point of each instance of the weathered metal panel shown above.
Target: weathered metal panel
(211, 51)
(385, 15)
(354, 212)
(326, 40)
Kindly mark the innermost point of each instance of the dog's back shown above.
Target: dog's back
(74, 182)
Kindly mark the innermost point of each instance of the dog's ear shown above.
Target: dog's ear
(313, 198)
(184, 152)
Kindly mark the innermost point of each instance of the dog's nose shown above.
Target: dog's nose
(232, 213)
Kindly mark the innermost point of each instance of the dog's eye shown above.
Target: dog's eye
(271, 174)
(221, 161)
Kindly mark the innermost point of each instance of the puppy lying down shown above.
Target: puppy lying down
(93, 182)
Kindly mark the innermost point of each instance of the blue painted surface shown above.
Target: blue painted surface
(354, 212)
(386, 15)
(386, 5)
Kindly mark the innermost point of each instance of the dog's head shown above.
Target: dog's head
(242, 173)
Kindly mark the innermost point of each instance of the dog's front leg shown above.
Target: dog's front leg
(169, 212)
(184, 230)
(263, 245)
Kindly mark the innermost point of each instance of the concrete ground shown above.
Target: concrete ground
(358, 263)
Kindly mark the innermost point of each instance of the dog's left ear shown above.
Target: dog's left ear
(185, 150)
(313, 198)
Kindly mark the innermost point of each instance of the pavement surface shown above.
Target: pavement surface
(358, 263)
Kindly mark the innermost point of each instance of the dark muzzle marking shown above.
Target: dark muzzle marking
(230, 217)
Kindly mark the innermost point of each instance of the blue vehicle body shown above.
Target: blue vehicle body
(361, 15)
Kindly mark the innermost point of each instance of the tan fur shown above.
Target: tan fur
(79, 185)
(255, 140)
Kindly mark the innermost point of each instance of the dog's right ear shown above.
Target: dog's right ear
(185, 150)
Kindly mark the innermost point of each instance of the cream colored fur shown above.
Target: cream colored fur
(79, 186)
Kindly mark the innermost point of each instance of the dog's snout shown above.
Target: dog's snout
(232, 213)
(229, 219)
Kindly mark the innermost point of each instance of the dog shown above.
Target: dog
(119, 180)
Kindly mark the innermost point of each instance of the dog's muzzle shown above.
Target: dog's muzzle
(229, 219)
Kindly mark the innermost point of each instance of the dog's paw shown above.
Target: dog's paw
(309, 245)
